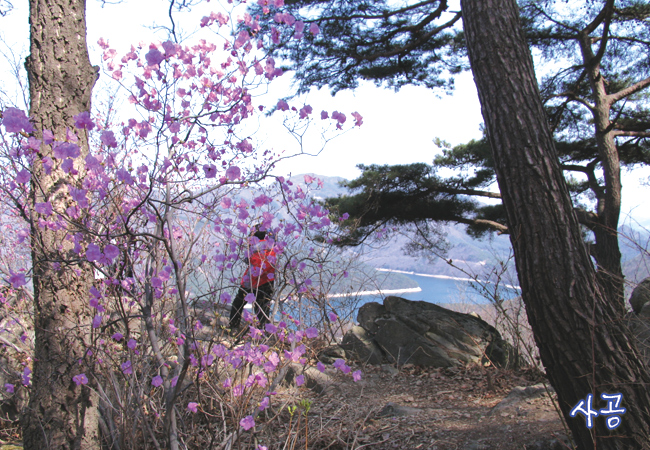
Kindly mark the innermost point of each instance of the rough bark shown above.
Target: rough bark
(61, 415)
(606, 251)
(582, 341)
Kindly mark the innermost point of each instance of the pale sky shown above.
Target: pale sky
(398, 128)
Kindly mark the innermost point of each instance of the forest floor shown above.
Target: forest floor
(424, 408)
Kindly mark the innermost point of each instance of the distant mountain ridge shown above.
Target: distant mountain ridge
(477, 256)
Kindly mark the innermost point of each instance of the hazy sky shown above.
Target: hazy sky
(398, 128)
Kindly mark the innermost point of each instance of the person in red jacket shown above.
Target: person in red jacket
(257, 280)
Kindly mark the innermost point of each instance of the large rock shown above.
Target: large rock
(639, 323)
(403, 331)
(640, 296)
(361, 347)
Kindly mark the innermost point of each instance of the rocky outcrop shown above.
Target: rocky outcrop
(640, 296)
(639, 319)
(403, 331)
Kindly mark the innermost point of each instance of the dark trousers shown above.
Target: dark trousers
(262, 304)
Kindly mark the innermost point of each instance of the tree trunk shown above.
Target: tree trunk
(61, 415)
(606, 251)
(582, 341)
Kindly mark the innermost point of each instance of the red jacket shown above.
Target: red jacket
(261, 268)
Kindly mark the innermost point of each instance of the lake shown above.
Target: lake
(435, 289)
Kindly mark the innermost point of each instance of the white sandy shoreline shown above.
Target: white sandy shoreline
(445, 277)
(377, 292)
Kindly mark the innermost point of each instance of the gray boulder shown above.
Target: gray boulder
(403, 331)
(361, 347)
(640, 296)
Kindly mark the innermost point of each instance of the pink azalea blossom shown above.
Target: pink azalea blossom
(127, 368)
(283, 105)
(157, 381)
(23, 176)
(80, 379)
(83, 120)
(16, 121)
(333, 317)
(9, 388)
(233, 173)
(314, 29)
(108, 138)
(356, 375)
(44, 208)
(17, 280)
(247, 423)
(192, 406)
(300, 380)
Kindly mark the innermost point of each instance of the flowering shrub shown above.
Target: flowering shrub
(162, 207)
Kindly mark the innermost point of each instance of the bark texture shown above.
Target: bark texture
(583, 343)
(61, 415)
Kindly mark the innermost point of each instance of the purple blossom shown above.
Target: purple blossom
(79, 196)
(92, 163)
(305, 111)
(311, 333)
(320, 366)
(118, 336)
(9, 388)
(111, 252)
(333, 317)
(93, 253)
(124, 176)
(97, 321)
(192, 406)
(262, 200)
(300, 380)
(16, 121)
(233, 173)
(358, 119)
(132, 344)
(264, 403)
(26, 377)
(154, 57)
(225, 298)
(250, 298)
(63, 150)
(17, 280)
(23, 176)
(83, 120)
(247, 423)
(44, 208)
(80, 379)
(48, 137)
(270, 328)
(127, 368)
(283, 105)
(356, 375)
(210, 170)
(68, 166)
(157, 381)
(108, 138)
(272, 363)
(313, 29)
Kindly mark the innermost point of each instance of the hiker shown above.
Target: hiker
(257, 280)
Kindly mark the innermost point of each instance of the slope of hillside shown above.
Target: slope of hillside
(477, 257)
